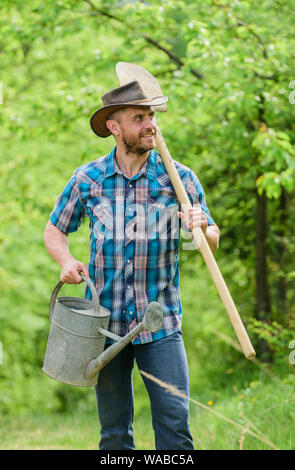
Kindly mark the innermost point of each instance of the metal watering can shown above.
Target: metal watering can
(75, 350)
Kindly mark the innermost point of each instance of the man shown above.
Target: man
(134, 240)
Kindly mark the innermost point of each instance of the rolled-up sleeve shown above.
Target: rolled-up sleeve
(68, 211)
(196, 195)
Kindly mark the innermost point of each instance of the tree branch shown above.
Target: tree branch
(257, 36)
(147, 38)
(171, 55)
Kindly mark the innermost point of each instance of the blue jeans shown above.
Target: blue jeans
(164, 359)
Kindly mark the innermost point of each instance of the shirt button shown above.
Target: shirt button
(130, 313)
(129, 261)
(130, 185)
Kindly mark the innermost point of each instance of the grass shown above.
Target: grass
(49, 432)
(265, 407)
(222, 381)
(62, 432)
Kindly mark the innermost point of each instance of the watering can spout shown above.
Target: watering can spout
(152, 321)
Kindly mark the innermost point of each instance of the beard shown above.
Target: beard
(136, 145)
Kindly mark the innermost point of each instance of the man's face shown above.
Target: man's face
(137, 129)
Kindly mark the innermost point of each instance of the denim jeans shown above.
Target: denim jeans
(164, 359)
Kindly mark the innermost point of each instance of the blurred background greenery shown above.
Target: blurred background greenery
(228, 69)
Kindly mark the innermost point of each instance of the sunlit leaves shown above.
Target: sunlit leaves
(275, 152)
(227, 68)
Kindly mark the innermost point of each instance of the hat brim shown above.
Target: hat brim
(99, 118)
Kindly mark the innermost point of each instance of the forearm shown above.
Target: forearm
(57, 244)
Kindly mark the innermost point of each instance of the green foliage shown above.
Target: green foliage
(227, 69)
(278, 336)
(264, 407)
(276, 152)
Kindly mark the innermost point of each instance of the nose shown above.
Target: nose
(149, 122)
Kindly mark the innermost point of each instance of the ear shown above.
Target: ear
(113, 126)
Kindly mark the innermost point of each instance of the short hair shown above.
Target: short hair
(114, 115)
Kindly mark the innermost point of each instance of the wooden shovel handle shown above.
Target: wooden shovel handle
(201, 243)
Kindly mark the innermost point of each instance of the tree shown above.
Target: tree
(227, 69)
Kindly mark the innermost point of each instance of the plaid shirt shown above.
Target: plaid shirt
(134, 237)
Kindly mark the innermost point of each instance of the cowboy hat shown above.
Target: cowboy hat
(128, 95)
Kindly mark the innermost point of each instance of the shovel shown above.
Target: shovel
(126, 73)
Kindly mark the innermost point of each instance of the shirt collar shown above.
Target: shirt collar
(147, 170)
(110, 168)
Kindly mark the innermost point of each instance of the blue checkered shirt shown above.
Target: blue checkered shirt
(134, 237)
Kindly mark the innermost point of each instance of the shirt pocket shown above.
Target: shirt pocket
(101, 212)
(162, 197)
(163, 222)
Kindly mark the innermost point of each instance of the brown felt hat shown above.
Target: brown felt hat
(125, 96)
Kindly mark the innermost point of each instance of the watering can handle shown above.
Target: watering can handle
(95, 299)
